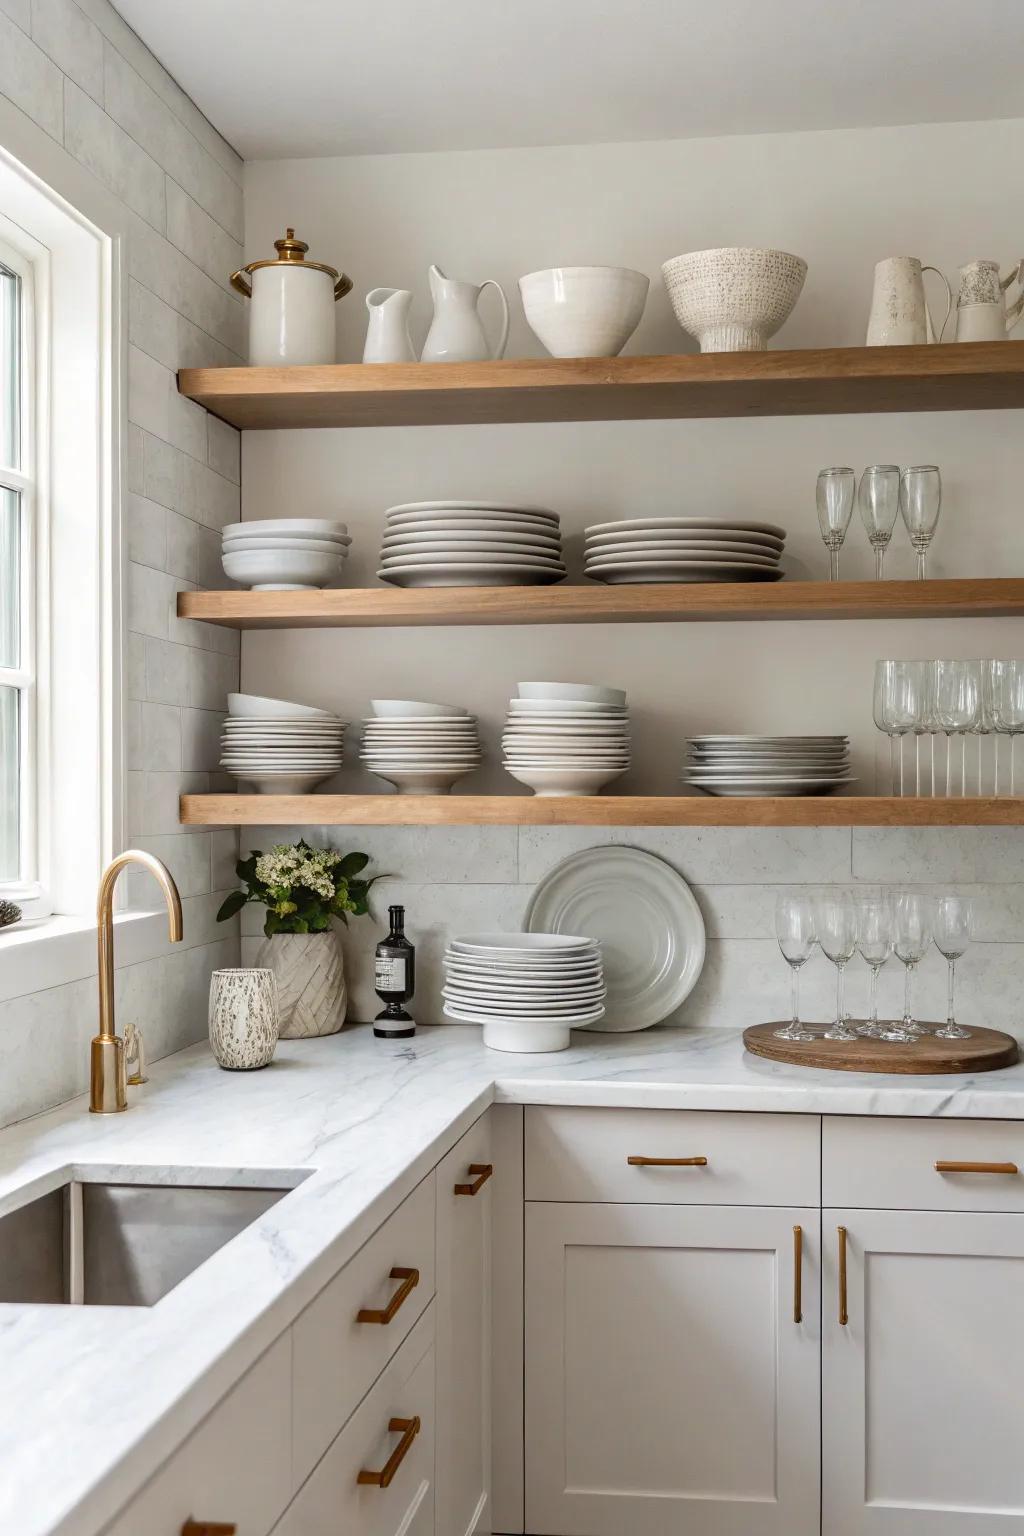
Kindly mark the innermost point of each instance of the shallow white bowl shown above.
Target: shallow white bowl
(506, 946)
(336, 547)
(412, 709)
(421, 781)
(254, 706)
(734, 297)
(281, 569)
(584, 311)
(546, 782)
(587, 693)
(283, 783)
(315, 527)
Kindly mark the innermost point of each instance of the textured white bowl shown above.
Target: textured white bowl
(253, 706)
(280, 569)
(584, 311)
(732, 299)
(588, 693)
(412, 709)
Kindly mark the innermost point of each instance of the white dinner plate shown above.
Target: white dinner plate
(472, 557)
(646, 919)
(682, 573)
(787, 788)
(517, 1009)
(569, 1021)
(428, 575)
(472, 538)
(638, 555)
(497, 527)
(699, 547)
(550, 947)
(723, 526)
(419, 508)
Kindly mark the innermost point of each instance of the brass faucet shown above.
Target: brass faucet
(107, 1079)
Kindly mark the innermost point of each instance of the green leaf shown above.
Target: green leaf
(352, 863)
(272, 925)
(232, 903)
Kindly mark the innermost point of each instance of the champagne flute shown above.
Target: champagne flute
(1008, 708)
(954, 919)
(835, 508)
(920, 504)
(912, 937)
(878, 497)
(874, 943)
(794, 929)
(835, 920)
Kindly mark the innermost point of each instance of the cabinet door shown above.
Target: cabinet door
(923, 1427)
(669, 1387)
(463, 1473)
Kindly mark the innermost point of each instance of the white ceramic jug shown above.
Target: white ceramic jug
(456, 332)
(981, 310)
(899, 312)
(387, 334)
(291, 313)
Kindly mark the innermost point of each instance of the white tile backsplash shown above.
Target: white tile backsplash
(113, 156)
(29, 79)
(73, 42)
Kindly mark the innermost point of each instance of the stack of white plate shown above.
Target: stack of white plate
(526, 989)
(284, 554)
(278, 747)
(471, 544)
(768, 765)
(684, 549)
(422, 749)
(566, 738)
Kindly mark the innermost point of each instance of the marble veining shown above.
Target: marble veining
(117, 1389)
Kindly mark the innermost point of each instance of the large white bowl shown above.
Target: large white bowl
(732, 299)
(312, 527)
(336, 547)
(525, 1039)
(254, 706)
(548, 782)
(412, 709)
(277, 570)
(421, 781)
(588, 693)
(584, 311)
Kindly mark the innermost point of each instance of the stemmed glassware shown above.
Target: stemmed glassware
(912, 937)
(794, 929)
(990, 672)
(1008, 708)
(920, 503)
(835, 917)
(954, 917)
(874, 942)
(902, 703)
(835, 492)
(957, 704)
(878, 497)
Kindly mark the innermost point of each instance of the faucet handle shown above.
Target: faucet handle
(134, 1051)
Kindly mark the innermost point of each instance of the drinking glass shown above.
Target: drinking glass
(912, 935)
(879, 500)
(920, 502)
(835, 508)
(874, 943)
(1008, 708)
(954, 920)
(957, 702)
(794, 929)
(835, 921)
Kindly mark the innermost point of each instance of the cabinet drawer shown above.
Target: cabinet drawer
(334, 1501)
(337, 1357)
(583, 1154)
(234, 1468)
(890, 1164)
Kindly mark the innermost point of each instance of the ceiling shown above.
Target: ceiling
(284, 78)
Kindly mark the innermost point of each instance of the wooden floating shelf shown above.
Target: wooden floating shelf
(376, 607)
(593, 811)
(812, 382)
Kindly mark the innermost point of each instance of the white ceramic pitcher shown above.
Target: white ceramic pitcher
(456, 332)
(387, 334)
(899, 311)
(981, 309)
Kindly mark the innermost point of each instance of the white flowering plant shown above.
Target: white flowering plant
(302, 887)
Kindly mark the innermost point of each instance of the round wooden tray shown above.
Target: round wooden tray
(984, 1051)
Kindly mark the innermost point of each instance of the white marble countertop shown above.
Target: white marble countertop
(92, 1400)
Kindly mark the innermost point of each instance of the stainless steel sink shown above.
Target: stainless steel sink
(118, 1245)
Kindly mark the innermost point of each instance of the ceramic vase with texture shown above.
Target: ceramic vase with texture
(243, 1018)
(310, 975)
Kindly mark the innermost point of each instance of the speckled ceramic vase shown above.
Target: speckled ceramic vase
(243, 1018)
(310, 975)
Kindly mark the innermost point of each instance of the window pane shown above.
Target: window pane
(10, 852)
(10, 368)
(10, 580)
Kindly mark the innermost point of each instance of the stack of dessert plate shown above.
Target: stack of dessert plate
(526, 989)
(284, 554)
(279, 747)
(470, 544)
(420, 748)
(684, 549)
(566, 738)
(768, 765)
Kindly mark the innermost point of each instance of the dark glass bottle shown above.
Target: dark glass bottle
(395, 980)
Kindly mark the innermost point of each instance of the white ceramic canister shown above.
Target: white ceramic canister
(291, 311)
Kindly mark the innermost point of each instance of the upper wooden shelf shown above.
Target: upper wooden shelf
(953, 377)
(378, 607)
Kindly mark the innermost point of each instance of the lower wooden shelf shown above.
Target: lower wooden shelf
(595, 811)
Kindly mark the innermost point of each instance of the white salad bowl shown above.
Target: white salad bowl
(584, 311)
(254, 706)
(587, 693)
(281, 569)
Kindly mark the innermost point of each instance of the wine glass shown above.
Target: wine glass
(835, 918)
(954, 921)
(1008, 708)
(901, 704)
(990, 674)
(920, 503)
(957, 701)
(874, 943)
(878, 497)
(794, 929)
(835, 508)
(912, 935)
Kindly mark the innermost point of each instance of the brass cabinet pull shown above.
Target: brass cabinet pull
(844, 1316)
(976, 1168)
(410, 1279)
(207, 1528)
(481, 1173)
(798, 1274)
(667, 1162)
(408, 1429)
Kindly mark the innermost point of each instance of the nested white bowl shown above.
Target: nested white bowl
(584, 311)
(336, 547)
(254, 706)
(587, 693)
(548, 782)
(281, 569)
(313, 527)
(421, 781)
(412, 709)
(734, 297)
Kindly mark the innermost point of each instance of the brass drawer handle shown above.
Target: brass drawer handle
(844, 1316)
(481, 1173)
(207, 1528)
(798, 1274)
(408, 1429)
(667, 1162)
(410, 1279)
(976, 1168)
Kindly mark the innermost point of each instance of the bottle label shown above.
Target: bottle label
(389, 973)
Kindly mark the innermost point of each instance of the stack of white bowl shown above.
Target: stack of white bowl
(684, 549)
(566, 738)
(284, 554)
(420, 748)
(763, 766)
(471, 544)
(278, 747)
(526, 989)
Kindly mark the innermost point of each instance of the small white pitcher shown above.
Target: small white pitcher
(456, 332)
(899, 312)
(981, 309)
(387, 334)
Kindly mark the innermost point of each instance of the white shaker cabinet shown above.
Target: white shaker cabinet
(463, 1437)
(923, 1384)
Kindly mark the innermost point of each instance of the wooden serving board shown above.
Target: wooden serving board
(984, 1051)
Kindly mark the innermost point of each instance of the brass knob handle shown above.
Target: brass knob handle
(408, 1429)
(207, 1528)
(844, 1316)
(798, 1274)
(667, 1162)
(410, 1279)
(481, 1173)
(976, 1168)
